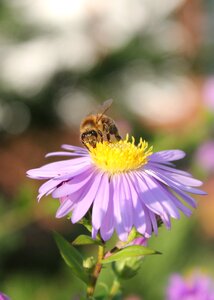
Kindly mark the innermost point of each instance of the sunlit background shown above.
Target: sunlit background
(58, 61)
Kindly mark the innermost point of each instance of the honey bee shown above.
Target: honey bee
(98, 127)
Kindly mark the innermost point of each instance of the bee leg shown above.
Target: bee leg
(108, 137)
(114, 131)
(118, 137)
(107, 132)
(101, 135)
(84, 144)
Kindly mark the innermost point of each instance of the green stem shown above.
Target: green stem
(95, 273)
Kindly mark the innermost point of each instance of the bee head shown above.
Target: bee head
(89, 137)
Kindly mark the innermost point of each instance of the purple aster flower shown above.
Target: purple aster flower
(198, 287)
(123, 184)
(3, 297)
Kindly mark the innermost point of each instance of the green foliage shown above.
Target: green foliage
(130, 251)
(85, 240)
(85, 222)
(72, 257)
(127, 268)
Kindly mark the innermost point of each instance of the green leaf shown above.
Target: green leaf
(86, 224)
(130, 251)
(85, 240)
(72, 257)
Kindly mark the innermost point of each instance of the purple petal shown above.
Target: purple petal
(151, 199)
(167, 155)
(74, 172)
(73, 199)
(178, 203)
(162, 197)
(187, 198)
(47, 187)
(63, 153)
(59, 168)
(65, 208)
(123, 235)
(166, 220)
(148, 192)
(148, 231)
(162, 178)
(178, 190)
(141, 216)
(94, 233)
(182, 179)
(73, 185)
(84, 204)
(40, 174)
(77, 196)
(107, 226)
(74, 148)
(154, 222)
(100, 204)
(167, 168)
(65, 164)
(141, 223)
(125, 203)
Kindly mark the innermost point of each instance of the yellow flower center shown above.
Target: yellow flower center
(122, 156)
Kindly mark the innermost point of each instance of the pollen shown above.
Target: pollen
(121, 156)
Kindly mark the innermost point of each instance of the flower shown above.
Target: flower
(3, 296)
(197, 287)
(123, 184)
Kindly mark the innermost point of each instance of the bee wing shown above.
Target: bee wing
(103, 108)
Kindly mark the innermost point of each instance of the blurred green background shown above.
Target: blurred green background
(58, 61)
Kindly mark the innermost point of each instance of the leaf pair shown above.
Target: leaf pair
(74, 259)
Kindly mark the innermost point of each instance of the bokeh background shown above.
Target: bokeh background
(58, 61)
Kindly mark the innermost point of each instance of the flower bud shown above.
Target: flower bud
(127, 268)
(88, 263)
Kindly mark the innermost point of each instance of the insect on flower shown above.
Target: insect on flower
(122, 184)
(98, 127)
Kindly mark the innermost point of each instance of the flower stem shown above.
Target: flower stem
(95, 273)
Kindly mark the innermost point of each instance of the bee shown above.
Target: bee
(98, 127)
